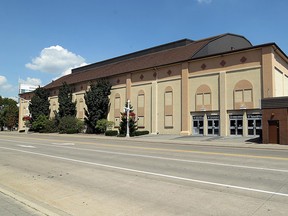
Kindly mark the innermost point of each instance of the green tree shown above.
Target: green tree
(8, 113)
(132, 122)
(66, 106)
(39, 104)
(97, 102)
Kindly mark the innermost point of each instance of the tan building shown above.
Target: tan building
(206, 87)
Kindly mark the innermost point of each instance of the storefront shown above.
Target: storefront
(205, 125)
(275, 120)
(239, 123)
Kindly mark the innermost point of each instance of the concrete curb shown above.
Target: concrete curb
(174, 139)
(30, 204)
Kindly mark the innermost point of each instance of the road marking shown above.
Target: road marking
(152, 173)
(179, 150)
(26, 146)
(178, 160)
(64, 144)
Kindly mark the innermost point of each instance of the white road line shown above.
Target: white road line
(153, 174)
(182, 160)
(166, 158)
(27, 146)
(64, 144)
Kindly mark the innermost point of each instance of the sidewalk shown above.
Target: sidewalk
(237, 141)
(10, 207)
(229, 141)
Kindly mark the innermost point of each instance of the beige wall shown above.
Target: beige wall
(221, 74)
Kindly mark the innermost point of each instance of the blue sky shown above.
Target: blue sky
(41, 40)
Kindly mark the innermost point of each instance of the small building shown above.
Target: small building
(275, 120)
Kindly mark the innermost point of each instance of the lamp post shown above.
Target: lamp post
(127, 109)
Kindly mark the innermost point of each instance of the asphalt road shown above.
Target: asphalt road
(84, 175)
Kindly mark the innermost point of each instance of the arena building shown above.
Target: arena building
(208, 87)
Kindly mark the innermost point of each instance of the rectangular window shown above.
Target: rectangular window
(168, 98)
(116, 122)
(117, 103)
(140, 122)
(199, 99)
(140, 100)
(238, 96)
(207, 99)
(248, 95)
(168, 121)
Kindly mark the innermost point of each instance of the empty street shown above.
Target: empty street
(95, 175)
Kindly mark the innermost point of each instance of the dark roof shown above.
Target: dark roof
(170, 53)
(275, 102)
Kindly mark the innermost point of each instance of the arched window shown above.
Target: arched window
(243, 95)
(81, 109)
(168, 107)
(117, 106)
(54, 109)
(203, 99)
(141, 109)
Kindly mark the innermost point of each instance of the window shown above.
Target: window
(243, 95)
(141, 109)
(203, 98)
(168, 107)
(81, 109)
(117, 106)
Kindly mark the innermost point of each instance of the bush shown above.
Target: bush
(39, 123)
(70, 125)
(140, 133)
(111, 133)
(102, 125)
(44, 125)
(50, 127)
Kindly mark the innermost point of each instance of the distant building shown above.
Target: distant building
(24, 88)
(207, 87)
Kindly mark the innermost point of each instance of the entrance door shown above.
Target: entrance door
(198, 125)
(213, 125)
(274, 131)
(236, 125)
(254, 124)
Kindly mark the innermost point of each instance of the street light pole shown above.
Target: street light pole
(127, 114)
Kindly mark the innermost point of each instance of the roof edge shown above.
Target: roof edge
(162, 47)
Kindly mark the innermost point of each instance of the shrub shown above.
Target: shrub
(70, 125)
(111, 133)
(50, 127)
(140, 133)
(102, 125)
(44, 125)
(39, 123)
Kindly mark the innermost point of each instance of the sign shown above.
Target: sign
(213, 117)
(254, 116)
(198, 117)
(236, 117)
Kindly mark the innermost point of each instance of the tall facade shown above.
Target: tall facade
(209, 87)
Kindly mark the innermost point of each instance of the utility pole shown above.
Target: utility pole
(127, 109)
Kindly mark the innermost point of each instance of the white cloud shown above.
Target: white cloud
(55, 60)
(31, 81)
(4, 85)
(68, 71)
(204, 1)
